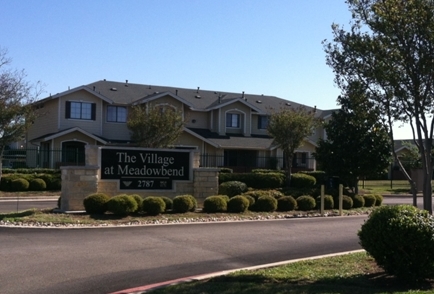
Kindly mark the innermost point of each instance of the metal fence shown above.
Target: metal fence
(37, 158)
(247, 162)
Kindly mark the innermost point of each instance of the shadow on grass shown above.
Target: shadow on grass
(250, 283)
(17, 214)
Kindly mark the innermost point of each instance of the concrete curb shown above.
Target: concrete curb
(147, 288)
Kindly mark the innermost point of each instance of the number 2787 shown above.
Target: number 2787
(146, 184)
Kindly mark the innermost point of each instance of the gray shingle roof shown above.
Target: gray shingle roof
(201, 100)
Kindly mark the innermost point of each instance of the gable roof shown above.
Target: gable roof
(124, 93)
(51, 136)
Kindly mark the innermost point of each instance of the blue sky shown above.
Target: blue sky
(270, 47)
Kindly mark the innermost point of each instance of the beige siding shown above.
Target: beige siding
(46, 123)
(114, 130)
(187, 139)
(91, 126)
(197, 119)
(254, 125)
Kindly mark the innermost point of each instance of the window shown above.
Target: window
(262, 122)
(116, 114)
(80, 110)
(232, 120)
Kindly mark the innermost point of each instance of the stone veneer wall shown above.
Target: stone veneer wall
(81, 181)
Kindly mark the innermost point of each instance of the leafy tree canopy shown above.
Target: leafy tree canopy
(357, 142)
(16, 96)
(155, 126)
(289, 128)
(389, 49)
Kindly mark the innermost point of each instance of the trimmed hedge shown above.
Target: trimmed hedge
(400, 239)
(122, 205)
(184, 203)
(266, 204)
(232, 188)
(286, 203)
(215, 203)
(306, 203)
(95, 203)
(320, 176)
(299, 180)
(329, 203)
(153, 205)
(255, 180)
(238, 204)
(20, 185)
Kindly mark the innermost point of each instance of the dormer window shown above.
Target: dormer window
(232, 120)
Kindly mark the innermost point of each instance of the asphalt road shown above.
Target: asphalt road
(105, 260)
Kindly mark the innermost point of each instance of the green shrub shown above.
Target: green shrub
(286, 203)
(297, 192)
(53, 181)
(168, 202)
(347, 202)
(251, 200)
(122, 205)
(154, 205)
(37, 185)
(213, 204)
(232, 188)
(139, 201)
(96, 203)
(266, 203)
(184, 203)
(20, 185)
(400, 239)
(238, 204)
(320, 176)
(256, 194)
(276, 194)
(358, 201)
(369, 200)
(378, 199)
(329, 203)
(299, 180)
(306, 203)
(226, 170)
(255, 180)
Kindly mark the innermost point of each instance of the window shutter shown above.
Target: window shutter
(93, 117)
(68, 109)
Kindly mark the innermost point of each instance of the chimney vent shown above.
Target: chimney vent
(197, 89)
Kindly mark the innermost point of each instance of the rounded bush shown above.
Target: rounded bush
(358, 201)
(299, 180)
(168, 202)
(400, 239)
(37, 185)
(347, 202)
(184, 203)
(329, 202)
(20, 185)
(379, 199)
(96, 203)
(369, 200)
(286, 203)
(251, 200)
(53, 181)
(232, 188)
(238, 204)
(122, 205)
(256, 194)
(139, 201)
(153, 205)
(213, 204)
(306, 203)
(266, 204)
(276, 194)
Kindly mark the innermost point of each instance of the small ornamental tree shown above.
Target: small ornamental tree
(155, 126)
(289, 128)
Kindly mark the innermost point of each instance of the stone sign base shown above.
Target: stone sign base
(79, 182)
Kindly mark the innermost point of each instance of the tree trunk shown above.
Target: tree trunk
(288, 168)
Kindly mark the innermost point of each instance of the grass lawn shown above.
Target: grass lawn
(351, 273)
